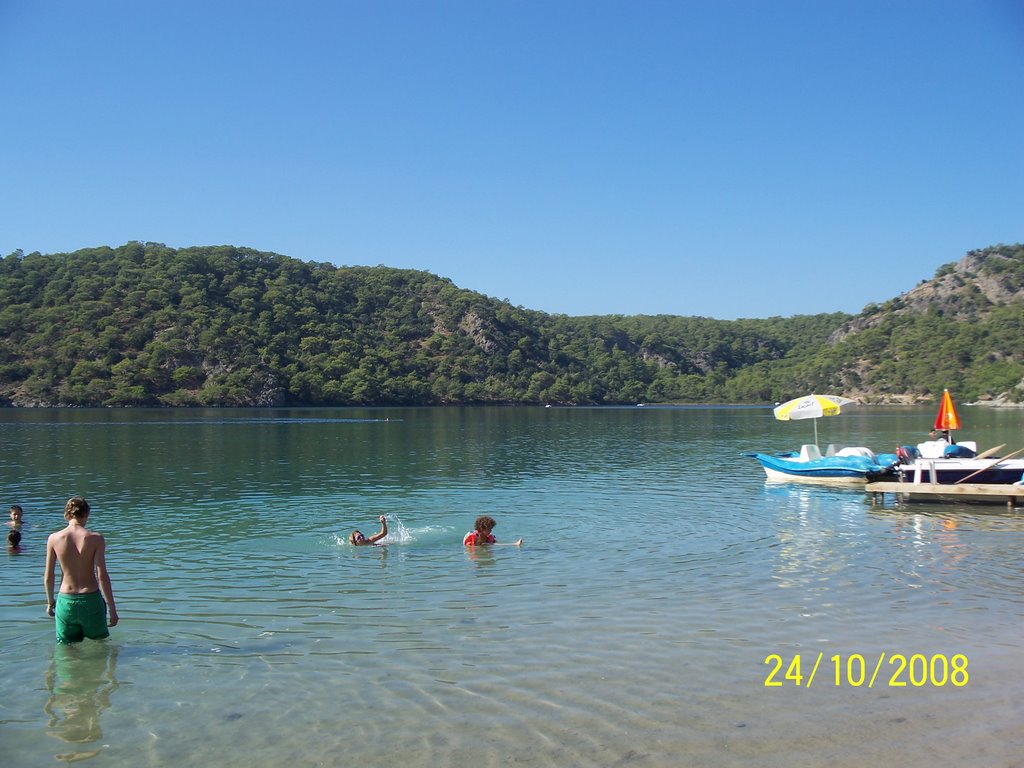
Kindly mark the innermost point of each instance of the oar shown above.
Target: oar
(985, 469)
(990, 451)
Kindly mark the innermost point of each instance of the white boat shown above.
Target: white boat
(943, 463)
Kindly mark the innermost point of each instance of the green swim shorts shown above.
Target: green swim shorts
(81, 616)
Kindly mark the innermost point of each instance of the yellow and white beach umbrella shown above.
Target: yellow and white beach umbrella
(812, 407)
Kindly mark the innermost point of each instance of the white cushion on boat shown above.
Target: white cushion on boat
(867, 453)
(809, 452)
(831, 450)
(932, 449)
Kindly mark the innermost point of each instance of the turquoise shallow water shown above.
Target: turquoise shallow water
(658, 573)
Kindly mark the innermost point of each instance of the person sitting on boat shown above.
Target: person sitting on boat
(357, 539)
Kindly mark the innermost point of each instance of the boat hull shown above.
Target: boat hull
(851, 471)
(952, 471)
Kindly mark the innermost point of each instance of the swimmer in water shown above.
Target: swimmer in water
(357, 539)
(481, 533)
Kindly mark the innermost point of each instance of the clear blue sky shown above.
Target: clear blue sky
(730, 158)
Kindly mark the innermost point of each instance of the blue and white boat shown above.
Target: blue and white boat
(942, 461)
(939, 462)
(845, 467)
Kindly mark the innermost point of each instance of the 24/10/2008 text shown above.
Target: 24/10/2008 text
(853, 670)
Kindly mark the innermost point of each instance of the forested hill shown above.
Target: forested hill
(963, 329)
(144, 324)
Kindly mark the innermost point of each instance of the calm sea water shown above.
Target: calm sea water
(659, 571)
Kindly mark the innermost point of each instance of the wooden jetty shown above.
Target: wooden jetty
(1012, 495)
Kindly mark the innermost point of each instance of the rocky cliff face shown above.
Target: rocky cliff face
(965, 290)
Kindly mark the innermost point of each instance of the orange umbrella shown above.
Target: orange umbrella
(947, 418)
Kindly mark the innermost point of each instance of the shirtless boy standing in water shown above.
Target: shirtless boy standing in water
(80, 609)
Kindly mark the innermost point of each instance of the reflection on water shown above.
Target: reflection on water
(81, 679)
(814, 527)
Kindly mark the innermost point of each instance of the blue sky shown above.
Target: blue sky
(726, 159)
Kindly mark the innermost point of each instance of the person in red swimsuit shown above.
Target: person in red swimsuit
(481, 533)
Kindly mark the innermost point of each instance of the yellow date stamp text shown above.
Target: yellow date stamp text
(895, 670)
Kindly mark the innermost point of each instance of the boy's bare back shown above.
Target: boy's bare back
(79, 551)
